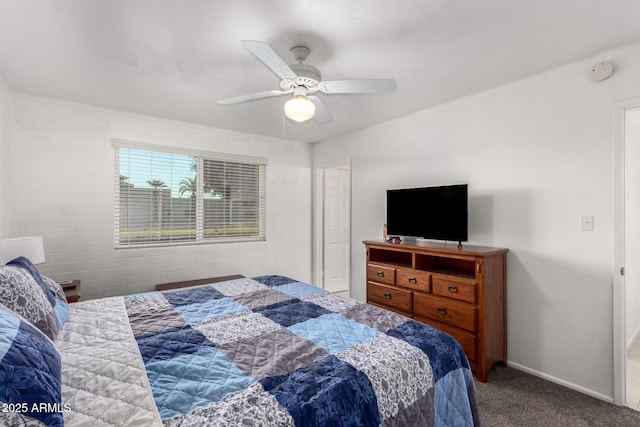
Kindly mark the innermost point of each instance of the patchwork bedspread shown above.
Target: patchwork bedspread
(267, 351)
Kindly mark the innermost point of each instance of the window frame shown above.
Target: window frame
(200, 156)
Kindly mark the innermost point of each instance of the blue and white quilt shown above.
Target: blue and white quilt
(266, 351)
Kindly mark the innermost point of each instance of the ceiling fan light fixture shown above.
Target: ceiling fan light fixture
(299, 108)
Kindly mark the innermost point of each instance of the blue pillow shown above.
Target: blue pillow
(19, 292)
(30, 370)
(25, 263)
(58, 302)
(61, 306)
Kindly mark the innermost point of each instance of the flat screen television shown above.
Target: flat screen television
(438, 213)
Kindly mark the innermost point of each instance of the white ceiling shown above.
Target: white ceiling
(175, 58)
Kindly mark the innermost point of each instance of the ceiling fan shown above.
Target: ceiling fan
(302, 82)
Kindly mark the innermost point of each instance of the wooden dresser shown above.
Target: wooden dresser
(460, 291)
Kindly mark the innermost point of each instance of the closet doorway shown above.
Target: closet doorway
(632, 251)
(334, 191)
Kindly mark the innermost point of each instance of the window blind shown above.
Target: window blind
(164, 197)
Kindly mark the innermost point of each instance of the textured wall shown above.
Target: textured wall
(64, 164)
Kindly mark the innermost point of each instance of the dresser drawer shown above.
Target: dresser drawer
(466, 339)
(446, 311)
(381, 274)
(454, 289)
(414, 279)
(389, 296)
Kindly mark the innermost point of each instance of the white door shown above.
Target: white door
(336, 218)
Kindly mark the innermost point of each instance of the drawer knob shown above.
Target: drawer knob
(452, 288)
(412, 279)
(387, 295)
(442, 310)
(380, 273)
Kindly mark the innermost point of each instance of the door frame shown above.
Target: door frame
(318, 220)
(619, 237)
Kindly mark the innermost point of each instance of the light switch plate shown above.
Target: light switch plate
(586, 223)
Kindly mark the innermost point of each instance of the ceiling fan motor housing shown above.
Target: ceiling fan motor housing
(307, 75)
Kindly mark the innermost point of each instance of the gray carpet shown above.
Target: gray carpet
(514, 398)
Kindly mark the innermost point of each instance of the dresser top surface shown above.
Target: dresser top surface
(440, 247)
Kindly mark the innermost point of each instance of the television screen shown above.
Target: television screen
(438, 213)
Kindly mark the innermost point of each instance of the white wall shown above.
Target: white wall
(64, 163)
(536, 154)
(6, 126)
(632, 224)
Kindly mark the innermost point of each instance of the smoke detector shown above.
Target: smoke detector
(601, 71)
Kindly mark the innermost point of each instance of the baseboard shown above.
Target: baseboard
(572, 386)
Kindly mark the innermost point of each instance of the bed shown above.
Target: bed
(263, 351)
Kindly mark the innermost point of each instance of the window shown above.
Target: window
(175, 196)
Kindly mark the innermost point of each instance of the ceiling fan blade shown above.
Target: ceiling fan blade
(359, 86)
(251, 97)
(264, 53)
(322, 114)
